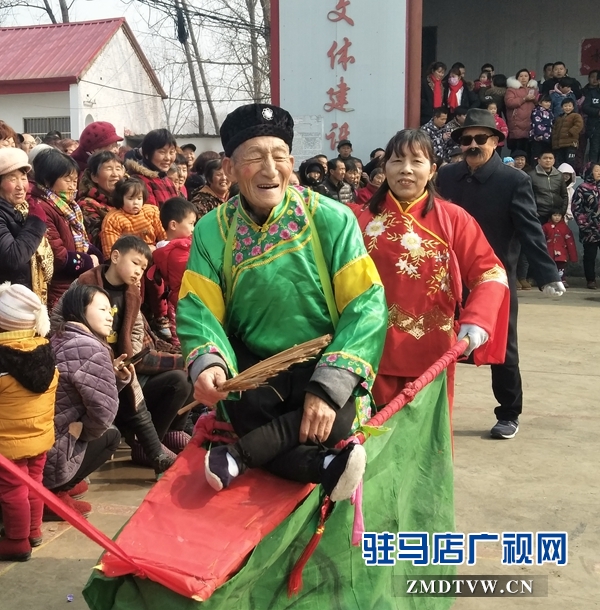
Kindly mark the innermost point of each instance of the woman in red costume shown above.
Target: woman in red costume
(425, 250)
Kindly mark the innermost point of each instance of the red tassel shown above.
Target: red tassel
(295, 579)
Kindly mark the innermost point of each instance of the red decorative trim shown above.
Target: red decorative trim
(275, 55)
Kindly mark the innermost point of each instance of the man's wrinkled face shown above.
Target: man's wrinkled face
(520, 162)
(339, 172)
(261, 167)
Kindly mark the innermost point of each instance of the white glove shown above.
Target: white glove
(477, 336)
(554, 289)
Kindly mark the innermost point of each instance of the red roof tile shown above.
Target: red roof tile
(54, 56)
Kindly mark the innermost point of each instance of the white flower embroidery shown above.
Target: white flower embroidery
(411, 270)
(402, 264)
(411, 241)
(375, 228)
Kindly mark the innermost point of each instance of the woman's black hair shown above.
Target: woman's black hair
(416, 141)
(211, 168)
(499, 80)
(155, 140)
(202, 159)
(51, 165)
(74, 303)
(523, 70)
(97, 160)
(436, 65)
(123, 187)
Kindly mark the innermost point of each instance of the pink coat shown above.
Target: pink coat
(518, 110)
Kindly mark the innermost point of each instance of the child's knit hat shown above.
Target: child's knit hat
(21, 309)
(508, 160)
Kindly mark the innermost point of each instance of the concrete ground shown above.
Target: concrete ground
(547, 478)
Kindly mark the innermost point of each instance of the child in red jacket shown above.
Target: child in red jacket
(560, 242)
(170, 258)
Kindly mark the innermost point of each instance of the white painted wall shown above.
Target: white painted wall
(202, 143)
(13, 108)
(513, 34)
(376, 78)
(118, 67)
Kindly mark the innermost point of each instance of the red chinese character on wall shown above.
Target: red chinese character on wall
(338, 98)
(339, 13)
(340, 54)
(343, 134)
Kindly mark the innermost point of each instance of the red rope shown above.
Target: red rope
(412, 388)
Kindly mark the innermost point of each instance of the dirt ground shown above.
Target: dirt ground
(547, 478)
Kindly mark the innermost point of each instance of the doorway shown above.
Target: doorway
(429, 47)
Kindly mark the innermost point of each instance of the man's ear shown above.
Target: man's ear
(228, 169)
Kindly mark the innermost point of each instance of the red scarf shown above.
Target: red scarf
(453, 94)
(438, 95)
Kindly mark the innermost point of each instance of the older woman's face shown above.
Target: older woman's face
(109, 173)
(13, 187)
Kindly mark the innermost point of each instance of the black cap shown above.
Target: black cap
(477, 117)
(254, 120)
(518, 153)
(344, 143)
(190, 146)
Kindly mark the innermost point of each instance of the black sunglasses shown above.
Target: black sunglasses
(480, 138)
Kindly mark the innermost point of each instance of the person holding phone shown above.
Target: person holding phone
(87, 396)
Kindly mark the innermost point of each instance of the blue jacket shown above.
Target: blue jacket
(557, 99)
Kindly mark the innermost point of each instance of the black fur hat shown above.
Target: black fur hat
(254, 120)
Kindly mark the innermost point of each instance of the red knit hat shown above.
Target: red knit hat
(95, 135)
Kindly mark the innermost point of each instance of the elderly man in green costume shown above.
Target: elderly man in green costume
(269, 269)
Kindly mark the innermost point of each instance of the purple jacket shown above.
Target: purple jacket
(87, 393)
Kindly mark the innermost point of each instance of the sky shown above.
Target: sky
(82, 10)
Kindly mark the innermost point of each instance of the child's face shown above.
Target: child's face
(314, 175)
(546, 104)
(596, 172)
(568, 108)
(493, 108)
(179, 230)
(556, 218)
(99, 315)
(133, 202)
(129, 266)
(483, 79)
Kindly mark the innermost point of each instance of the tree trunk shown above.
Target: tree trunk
(205, 85)
(64, 10)
(190, 63)
(49, 11)
(256, 80)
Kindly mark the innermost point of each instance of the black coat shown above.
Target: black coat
(19, 240)
(501, 199)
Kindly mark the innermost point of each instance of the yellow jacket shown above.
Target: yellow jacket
(28, 381)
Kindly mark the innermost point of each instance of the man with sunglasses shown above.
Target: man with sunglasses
(501, 200)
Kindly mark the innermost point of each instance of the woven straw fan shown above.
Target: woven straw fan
(256, 375)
